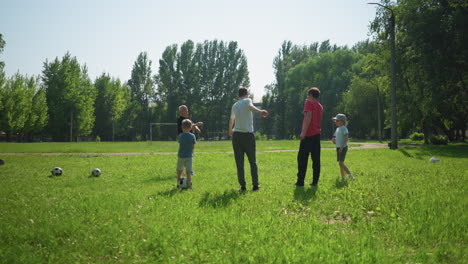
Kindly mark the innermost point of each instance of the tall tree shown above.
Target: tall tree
(2, 73)
(288, 56)
(109, 106)
(298, 68)
(431, 43)
(38, 116)
(141, 86)
(2, 46)
(70, 97)
(205, 77)
(16, 102)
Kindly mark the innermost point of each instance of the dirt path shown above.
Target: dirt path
(361, 146)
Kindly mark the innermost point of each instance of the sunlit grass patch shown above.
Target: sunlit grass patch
(400, 208)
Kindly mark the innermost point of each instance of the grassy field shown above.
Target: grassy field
(400, 209)
(143, 147)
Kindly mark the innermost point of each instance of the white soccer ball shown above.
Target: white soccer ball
(434, 160)
(183, 183)
(96, 172)
(57, 171)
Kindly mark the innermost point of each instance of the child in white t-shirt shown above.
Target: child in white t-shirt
(340, 138)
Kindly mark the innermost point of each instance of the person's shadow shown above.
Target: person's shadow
(339, 183)
(170, 192)
(219, 200)
(304, 195)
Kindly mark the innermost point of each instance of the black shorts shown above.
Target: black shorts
(341, 156)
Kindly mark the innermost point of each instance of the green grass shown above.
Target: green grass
(400, 209)
(142, 147)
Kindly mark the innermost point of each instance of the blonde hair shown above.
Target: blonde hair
(186, 124)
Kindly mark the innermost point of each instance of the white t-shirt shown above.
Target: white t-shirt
(242, 115)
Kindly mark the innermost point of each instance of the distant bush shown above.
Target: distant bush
(259, 136)
(438, 140)
(416, 136)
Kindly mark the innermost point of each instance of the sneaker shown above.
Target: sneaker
(351, 177)
(193, 173)
(255, 188)
(242, 189)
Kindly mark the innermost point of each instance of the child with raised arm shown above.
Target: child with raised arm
(187, 143)
(340, 138)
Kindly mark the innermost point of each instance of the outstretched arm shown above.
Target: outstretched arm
(263, 113)
(195, 127)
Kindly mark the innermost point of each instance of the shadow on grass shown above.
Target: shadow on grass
(339, 183)
(452, 151)
(169, 193)
(219, 200)
(162, 179)
(404, 152)
(304, 195)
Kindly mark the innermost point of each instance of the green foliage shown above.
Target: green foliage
(438, 139)
(260, 136)
(417, 136)
(70, 96)
(2, 46)
(16, 101)
(400, 209)
(276, 98)
(298, 68)
(23, 108)
(142, 92)
(331, 73)
(205, 77)
(38, 116)
(109, 106)
(432, 64)
(368, 92)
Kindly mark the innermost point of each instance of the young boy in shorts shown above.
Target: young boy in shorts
(187, 143)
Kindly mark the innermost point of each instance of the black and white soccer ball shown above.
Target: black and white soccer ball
(96, 172)
(183, 183)
(56, 171)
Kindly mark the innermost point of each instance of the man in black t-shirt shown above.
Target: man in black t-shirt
(184, 114)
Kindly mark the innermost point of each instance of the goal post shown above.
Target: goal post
(159, 124)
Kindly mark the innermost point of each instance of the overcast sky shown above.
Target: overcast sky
(108, 35)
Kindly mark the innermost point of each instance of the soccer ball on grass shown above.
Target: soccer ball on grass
(183, 183)
(96, 172)
(57, 171)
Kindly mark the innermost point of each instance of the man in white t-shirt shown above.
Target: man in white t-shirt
(243, 138)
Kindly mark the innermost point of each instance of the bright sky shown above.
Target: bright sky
(108, 35)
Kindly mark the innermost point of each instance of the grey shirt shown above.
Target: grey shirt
(340, 133)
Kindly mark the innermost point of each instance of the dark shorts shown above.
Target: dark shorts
(341, 156)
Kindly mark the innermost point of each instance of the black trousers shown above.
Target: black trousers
(244, 143)
(308, 145)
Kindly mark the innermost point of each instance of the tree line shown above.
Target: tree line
(432, 73)
(63, 103)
